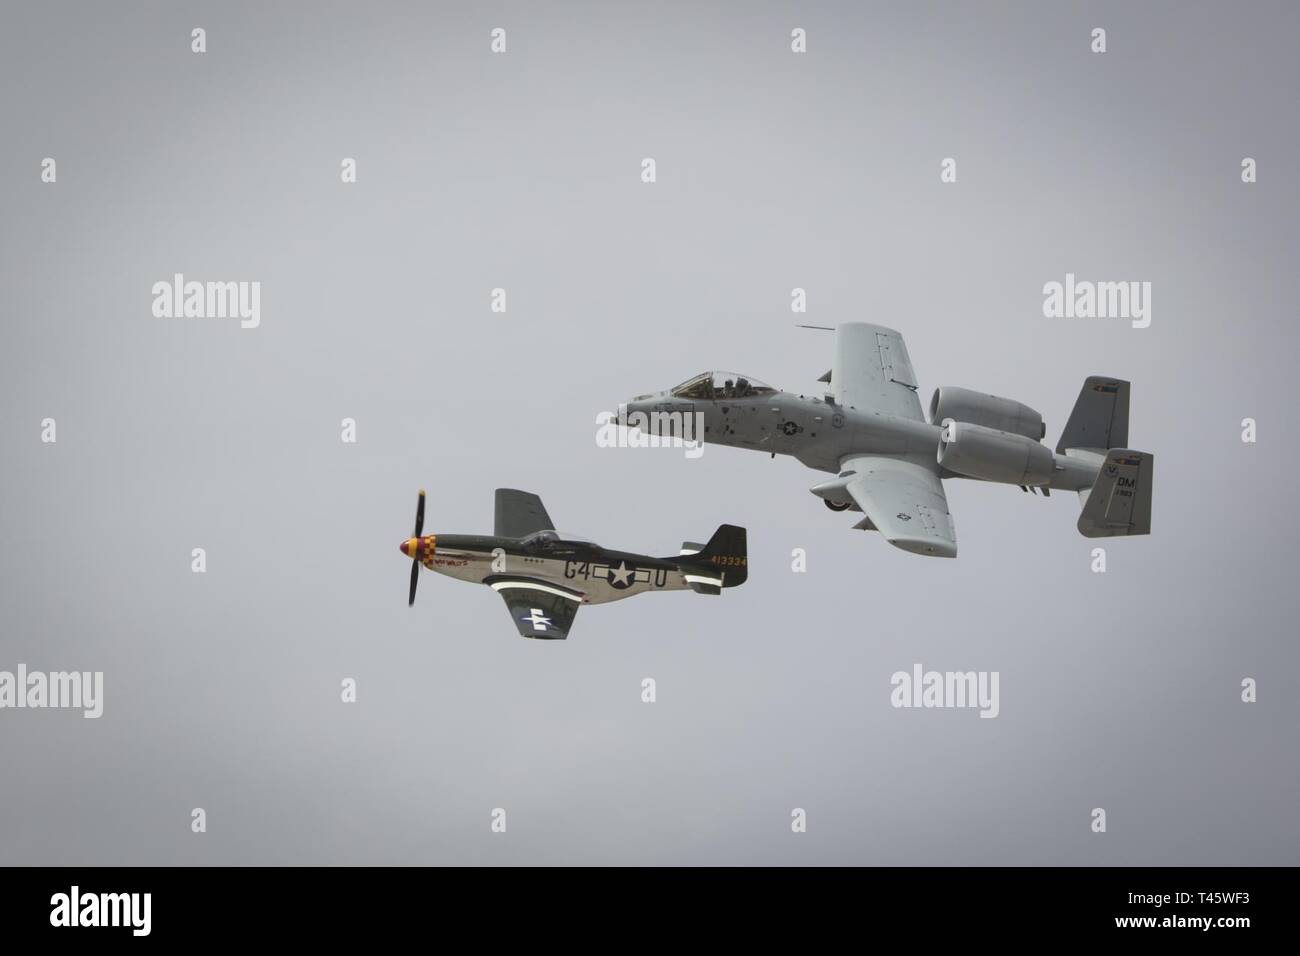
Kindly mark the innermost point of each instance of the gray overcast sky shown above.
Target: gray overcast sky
(775, 171)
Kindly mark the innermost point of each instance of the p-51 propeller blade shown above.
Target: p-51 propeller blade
(415, 561)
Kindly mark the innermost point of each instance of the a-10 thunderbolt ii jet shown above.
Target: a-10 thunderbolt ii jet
(889, 462)
(545, 576)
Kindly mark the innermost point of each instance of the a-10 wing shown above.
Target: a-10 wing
(905, 502)
(873, 372)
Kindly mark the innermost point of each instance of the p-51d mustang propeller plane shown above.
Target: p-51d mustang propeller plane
(545, 576)
(889, 462)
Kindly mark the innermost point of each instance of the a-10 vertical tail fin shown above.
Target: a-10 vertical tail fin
(1099, 421)
(1119, 502)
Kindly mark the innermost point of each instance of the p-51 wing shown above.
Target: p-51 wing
(519, 514)
(539, 610)
(905, 502)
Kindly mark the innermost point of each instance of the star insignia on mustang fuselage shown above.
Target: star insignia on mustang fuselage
(621, 577)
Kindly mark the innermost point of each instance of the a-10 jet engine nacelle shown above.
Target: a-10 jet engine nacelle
(964, 405)
(992, 455)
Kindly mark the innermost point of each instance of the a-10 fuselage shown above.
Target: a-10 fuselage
(583, 568)
(819, 433)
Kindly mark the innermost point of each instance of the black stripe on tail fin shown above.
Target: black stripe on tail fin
(1099, 421)
(722, 563)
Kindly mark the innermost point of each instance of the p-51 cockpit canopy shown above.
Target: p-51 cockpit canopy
(548, 538)
(711, 386)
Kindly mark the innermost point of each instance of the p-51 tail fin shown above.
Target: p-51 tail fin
(1120, 500)
(722, 563)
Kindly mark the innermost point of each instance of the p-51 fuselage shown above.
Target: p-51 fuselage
(583, 567)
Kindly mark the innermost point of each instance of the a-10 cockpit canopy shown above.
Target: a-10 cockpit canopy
(716, 385)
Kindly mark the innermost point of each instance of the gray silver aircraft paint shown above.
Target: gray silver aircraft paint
(545, 576)
(889, 461)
